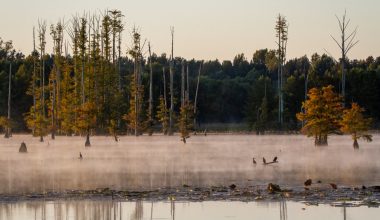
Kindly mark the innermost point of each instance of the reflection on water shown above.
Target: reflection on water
(142, 210)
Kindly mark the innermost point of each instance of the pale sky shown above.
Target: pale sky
(210, 29)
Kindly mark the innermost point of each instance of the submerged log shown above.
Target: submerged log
(232, 186)
(272, 188)
(23, 148)
(308, 182)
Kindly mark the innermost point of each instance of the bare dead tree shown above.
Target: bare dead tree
(282, 35)
(346, 43)
(41, 35)
(187, 84)
(53, 118)
(196, 96)
(183, 83)
(34, 78)
(42, 45)
(164, 78)
(150, 86)
(171, 111)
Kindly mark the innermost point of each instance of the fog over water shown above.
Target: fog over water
(136, 163)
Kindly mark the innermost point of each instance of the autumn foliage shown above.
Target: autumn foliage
(322, 114)
(354, 123)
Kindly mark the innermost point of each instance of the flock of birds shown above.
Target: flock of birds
(307, 183)
(275, 160)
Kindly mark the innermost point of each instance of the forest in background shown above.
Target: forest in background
(96, 88)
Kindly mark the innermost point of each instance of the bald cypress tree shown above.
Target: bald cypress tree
(134, 116)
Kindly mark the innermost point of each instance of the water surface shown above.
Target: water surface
(109, 210)
(158, 161)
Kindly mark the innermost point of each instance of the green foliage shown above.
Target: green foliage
(231, 91)
(259, 108)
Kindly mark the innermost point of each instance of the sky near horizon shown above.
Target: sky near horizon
(210, 29)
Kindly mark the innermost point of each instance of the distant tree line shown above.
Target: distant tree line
(96, 89)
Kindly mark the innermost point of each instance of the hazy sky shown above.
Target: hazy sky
(210, 29)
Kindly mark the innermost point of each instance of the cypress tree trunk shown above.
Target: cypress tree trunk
(356, 144)
(88, 144)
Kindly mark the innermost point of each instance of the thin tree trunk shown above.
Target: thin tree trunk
(136, 95)
(150, 86)
(82, 82)
(53, 113)
(171, 112)
(196, 97)
(119, 63)
(34, 80)
(279, 73)
(187, 86)
(43, 84)
(183, 85)
(164, 78)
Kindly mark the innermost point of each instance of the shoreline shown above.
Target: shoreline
(318, 194)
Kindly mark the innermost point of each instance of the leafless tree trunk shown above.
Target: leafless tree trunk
(282, 34)
(150, 85)
(348, 41)
(42, 32)
(187, 84)
(183, 84)
(53, 111)
(196, 97)
(119, 60)
(34, 77)
(164, 78)
(171, 112)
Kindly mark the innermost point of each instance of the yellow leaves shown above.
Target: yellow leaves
(322, 112)
(185, 120)
(163, 115)
(4, 122)
(87, 116)
(354, 123)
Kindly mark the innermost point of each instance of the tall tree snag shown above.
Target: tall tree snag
(346, 43)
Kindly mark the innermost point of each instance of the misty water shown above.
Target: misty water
(136, 163)
(109, 210)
